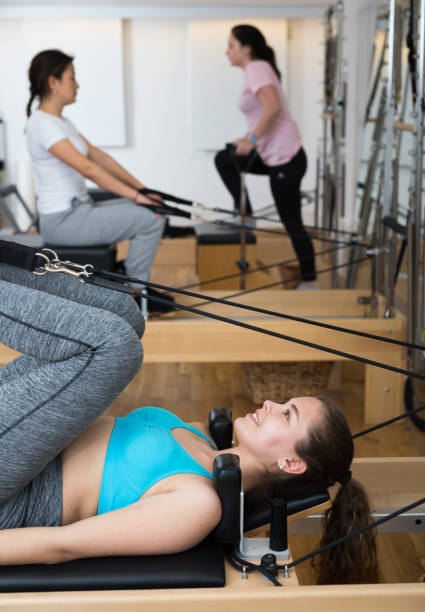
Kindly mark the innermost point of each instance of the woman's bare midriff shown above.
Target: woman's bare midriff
(82, 469)
(84, 458)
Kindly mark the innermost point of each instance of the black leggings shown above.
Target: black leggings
(285, 181)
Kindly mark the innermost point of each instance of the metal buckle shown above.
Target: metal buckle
(54, 264)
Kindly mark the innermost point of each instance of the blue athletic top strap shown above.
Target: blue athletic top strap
(141, 452)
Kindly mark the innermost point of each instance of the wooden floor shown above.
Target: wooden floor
(192, 390)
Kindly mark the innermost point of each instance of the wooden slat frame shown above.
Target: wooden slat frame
(350, 598)
(183, 338)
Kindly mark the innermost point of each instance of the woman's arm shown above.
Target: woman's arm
(271, 107)
(109, 164)
(67, 153)
(161, 524)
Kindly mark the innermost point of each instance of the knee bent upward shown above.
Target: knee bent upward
(118, 352)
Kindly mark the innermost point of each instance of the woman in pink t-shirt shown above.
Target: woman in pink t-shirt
(274, 135)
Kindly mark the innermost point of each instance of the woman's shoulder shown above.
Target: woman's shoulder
(39, 116)
(40, 123)
(259, 65)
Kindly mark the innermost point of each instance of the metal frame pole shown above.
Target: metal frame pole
(243, 264)
(389, 123)
(339, 114)
(390, 200)
(417, 324)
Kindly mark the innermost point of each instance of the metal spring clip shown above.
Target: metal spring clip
(54, 264)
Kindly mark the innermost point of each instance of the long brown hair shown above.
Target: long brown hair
(51, 62)
(250, 35)
(328, 452)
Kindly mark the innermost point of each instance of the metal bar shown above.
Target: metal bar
(389, 112)
(242, 263)
(411, 522)
(338, 141)
(419, 129)
(317, 192)
(366, 205)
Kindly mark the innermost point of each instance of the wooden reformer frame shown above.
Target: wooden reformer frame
(390, 482)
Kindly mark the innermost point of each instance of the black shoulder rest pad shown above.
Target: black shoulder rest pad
(221, 427)
(257, 504)
(228, 483)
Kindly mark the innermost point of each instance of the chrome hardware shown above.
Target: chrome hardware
(54, 264)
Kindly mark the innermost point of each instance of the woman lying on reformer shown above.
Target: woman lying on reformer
(86, 485)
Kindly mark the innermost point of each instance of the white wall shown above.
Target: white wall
(305, 91)
(157, 60)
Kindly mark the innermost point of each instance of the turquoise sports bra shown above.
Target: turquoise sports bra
(142, 451)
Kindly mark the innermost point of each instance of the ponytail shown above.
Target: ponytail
(251, 36)
(31, 100)
(270, 57)
(354, 561)
(328, 451)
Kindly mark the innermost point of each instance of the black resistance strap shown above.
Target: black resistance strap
(121, 278)
(20, 255)
(354, 534)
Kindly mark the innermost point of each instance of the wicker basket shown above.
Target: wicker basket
(281, 381)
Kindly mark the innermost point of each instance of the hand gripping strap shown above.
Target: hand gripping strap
(19, 255)
(165, 196)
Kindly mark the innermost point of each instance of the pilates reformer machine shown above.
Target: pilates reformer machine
(198, 573)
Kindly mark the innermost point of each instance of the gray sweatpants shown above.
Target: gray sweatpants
(90, 223)
(81, 347)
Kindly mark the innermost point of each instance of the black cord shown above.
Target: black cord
(261, 268)
(234, 558)
(284, 282)
(354, 534)
(178, 200)
(228, 225)
(92, 280)
(384, 423)
(418, 421)
(229, 554)
(225, 302)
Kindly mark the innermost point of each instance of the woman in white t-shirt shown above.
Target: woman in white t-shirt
(62, 159)
(275, 135)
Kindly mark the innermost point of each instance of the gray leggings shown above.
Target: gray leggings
(81, 347)
(89, 223)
